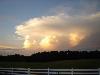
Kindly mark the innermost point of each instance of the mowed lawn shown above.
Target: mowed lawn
(82, 63)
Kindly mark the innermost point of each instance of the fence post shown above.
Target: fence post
(29, 71)
(72, 71)
(99, 70)
(12, 71)
(48, 71)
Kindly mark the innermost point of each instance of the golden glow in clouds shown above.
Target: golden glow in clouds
(48, 42)
(75, 38)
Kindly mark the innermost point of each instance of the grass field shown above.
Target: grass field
(82, 63)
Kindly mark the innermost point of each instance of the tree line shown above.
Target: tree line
(52, 56)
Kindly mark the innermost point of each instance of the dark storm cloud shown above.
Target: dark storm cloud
(91, 42)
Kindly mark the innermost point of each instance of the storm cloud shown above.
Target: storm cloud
(61, 31)
(68, 27)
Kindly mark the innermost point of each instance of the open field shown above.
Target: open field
(82, 63)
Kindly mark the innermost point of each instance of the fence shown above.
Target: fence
(28, 71)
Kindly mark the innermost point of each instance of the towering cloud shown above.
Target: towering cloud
(60, 31)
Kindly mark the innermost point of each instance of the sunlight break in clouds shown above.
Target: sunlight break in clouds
(58, 31)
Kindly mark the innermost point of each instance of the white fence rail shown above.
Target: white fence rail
(29, 71)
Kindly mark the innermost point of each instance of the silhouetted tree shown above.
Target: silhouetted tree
(52, 56)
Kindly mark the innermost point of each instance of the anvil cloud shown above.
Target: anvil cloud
(61, 31)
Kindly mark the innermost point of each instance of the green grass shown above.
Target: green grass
(82, 63)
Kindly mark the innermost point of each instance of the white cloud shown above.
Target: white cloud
(40, 30)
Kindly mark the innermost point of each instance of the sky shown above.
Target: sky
(46, 25)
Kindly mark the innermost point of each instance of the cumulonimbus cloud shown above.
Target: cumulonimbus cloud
(58, 31)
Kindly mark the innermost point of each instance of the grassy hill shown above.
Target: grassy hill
(80, 63)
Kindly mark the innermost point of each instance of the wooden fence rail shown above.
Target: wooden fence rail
(29, 71)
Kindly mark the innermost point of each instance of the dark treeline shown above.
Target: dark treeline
(52, 56)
